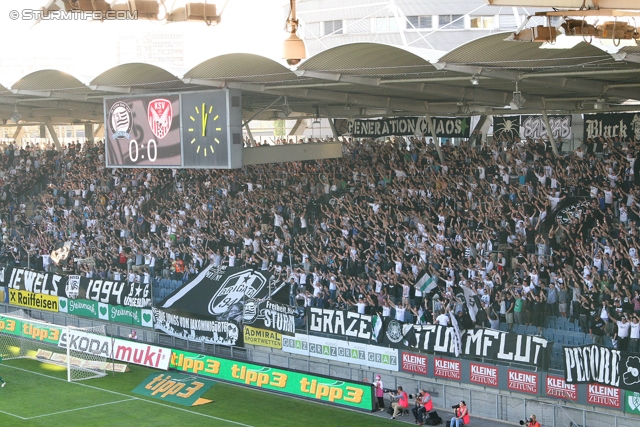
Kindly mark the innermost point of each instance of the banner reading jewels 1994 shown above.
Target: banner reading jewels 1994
(623, 125)
(49, 285)
(445, 127)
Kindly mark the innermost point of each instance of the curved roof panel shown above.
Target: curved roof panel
(494, 51)
(50, 80)
(371, 59)
(140, 75)
(241, 67)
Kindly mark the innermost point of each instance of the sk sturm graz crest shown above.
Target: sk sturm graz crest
(250, 311)
(73, 286)
(120, 120)
(242, 285)
(160, 114)
(394, 331)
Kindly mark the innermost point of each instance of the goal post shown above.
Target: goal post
(24, 337)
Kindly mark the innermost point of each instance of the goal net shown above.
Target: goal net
(79, 350)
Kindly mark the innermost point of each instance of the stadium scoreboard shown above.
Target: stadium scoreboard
(174, 130)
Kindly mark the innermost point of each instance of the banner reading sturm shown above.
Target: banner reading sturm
(445, 127)
(271, 316)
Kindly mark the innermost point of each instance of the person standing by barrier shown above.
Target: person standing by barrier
(379, 392)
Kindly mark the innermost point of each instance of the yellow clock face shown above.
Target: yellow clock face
(203, 128)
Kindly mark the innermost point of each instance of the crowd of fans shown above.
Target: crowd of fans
(359, 232)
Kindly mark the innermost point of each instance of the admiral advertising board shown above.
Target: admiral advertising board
(190, 129)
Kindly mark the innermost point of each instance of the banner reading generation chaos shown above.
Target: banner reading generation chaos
(45, 286)
(445, 127)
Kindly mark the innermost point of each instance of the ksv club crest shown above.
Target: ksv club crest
(120, 120)
(160, 114)
(242, 285)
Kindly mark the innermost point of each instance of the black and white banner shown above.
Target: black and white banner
(220, 292)
(445, 127)
(77, 287)
(624, 125)
(487, 343)
(342, 323)
(595, 364)
(209, 331)
(531, 126)
(270, 315)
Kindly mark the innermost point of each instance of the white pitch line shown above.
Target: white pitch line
(129, 396)
(13, 415)
(79, 409)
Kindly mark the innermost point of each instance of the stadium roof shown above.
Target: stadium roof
(358, 80)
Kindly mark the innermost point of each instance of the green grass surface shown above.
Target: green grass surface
(37, 394)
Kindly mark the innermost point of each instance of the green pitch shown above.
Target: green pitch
(37, 394)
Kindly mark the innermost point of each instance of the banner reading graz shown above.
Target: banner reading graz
(270, 315)
(624, 125)
(488, 343)
(590, 364)
(445, 127)
(209, 331)
(72, 287)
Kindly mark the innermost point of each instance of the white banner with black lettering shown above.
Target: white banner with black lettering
(270, 315)
(342, 351)
(193, 329)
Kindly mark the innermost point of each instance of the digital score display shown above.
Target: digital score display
(185, 130)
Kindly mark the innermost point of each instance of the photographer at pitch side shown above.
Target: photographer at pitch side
(402, 403)
(531, 422)
(461, 416)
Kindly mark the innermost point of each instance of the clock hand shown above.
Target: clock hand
(205, 115)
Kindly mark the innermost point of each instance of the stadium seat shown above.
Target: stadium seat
(521, 329)
(588, 340)
(549, 334)
(570, 327)
(551, 323)
(503, 327)
(531, 330)
(561, 323)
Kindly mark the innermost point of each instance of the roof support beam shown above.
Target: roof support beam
(52, 132)
(223, 84)
(51, 94)
(432, 127)
(542, 79)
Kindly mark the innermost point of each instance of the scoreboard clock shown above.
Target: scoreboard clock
(186, 130)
